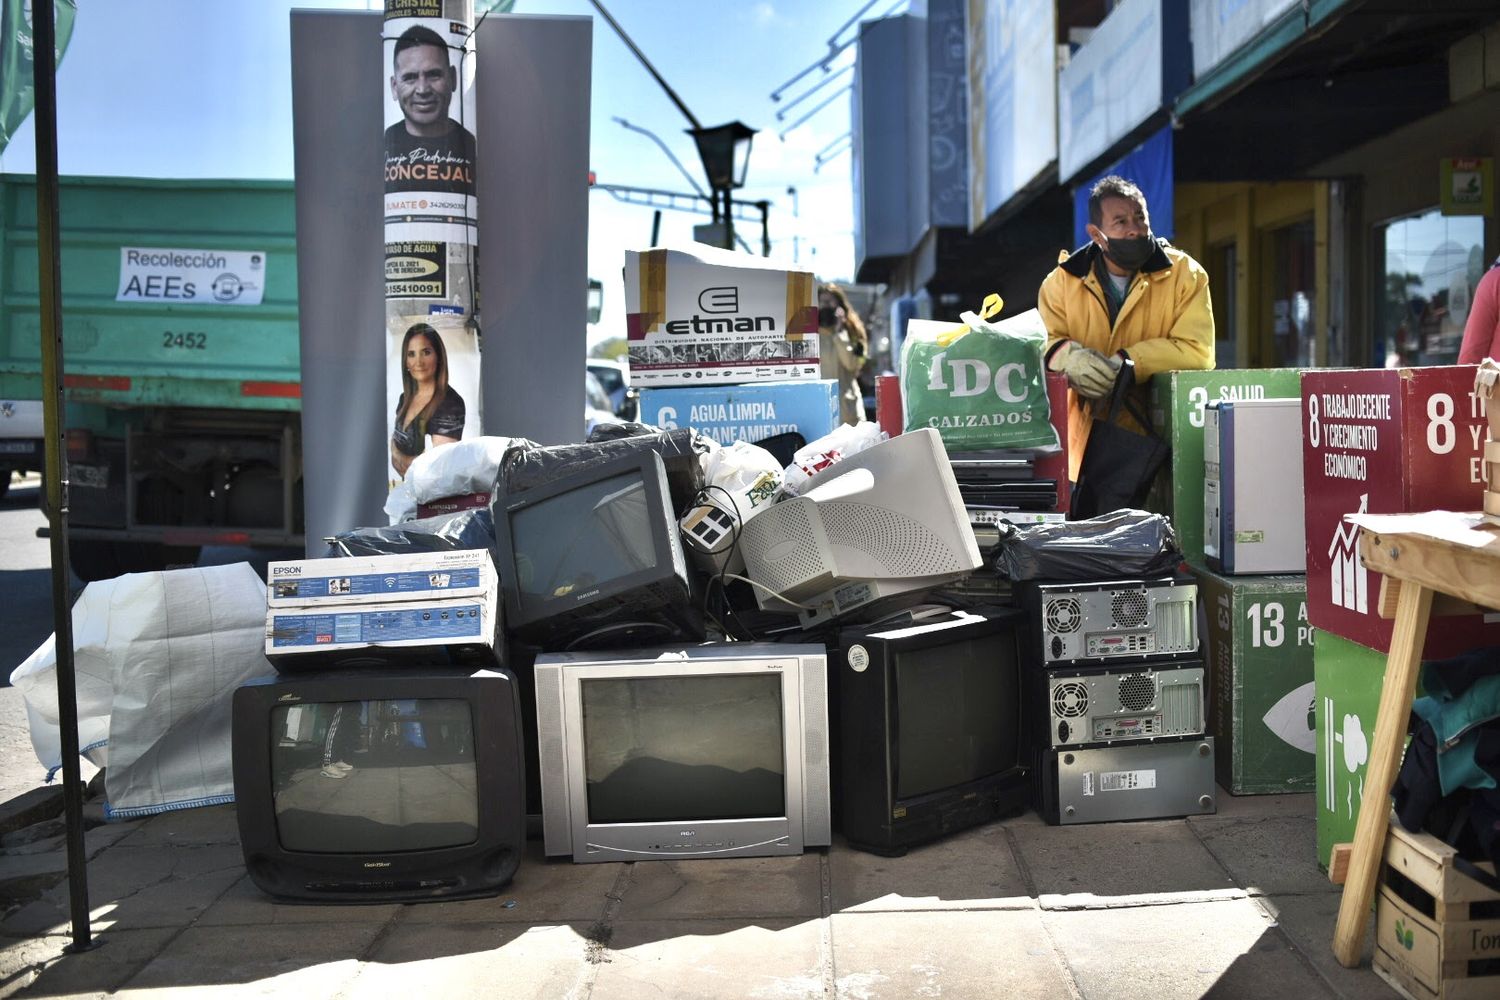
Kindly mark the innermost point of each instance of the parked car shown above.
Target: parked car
(596, 408)
(614, 376)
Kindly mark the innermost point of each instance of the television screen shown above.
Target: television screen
(681, 749)
(608, 536)
(948, 699)
(376, 776)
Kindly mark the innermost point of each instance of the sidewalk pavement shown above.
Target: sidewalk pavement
(1231, 905)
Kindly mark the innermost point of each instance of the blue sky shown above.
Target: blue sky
(202, 88)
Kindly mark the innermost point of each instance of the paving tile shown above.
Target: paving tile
(1254, 806)
(735, 887)
(1270, 854)
(542, 892)
(245, 903)
(208, 825)
(978, 954)
(514, 961)
(1090, 863)
(38, 966)
(970, 870)
(1308, 921)
(308, 960)
(1222, 949)
(696, 959)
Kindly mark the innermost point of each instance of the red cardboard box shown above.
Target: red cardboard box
(890, 416)
(1385, 441)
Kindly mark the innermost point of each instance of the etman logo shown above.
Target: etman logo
(719, 300)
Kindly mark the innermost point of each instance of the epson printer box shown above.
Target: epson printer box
(1252, 486)
(439, 606)
(749, 413)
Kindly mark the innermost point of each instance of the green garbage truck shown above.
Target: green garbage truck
(181, 363)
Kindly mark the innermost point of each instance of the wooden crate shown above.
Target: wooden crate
(1433, 924)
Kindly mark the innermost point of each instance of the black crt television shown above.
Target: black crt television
(380, 785)
(929, 727)
(595, 558)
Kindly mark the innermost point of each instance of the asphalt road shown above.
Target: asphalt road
(27, 619)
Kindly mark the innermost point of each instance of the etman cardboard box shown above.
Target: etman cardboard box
(380, 579)
(704, 315)
(1260, 657)
(750, 413)
(1386, 441)
(1178, 401)
(1252, 487)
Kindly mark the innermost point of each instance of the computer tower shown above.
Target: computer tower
(1116, 621)
(1157, 779)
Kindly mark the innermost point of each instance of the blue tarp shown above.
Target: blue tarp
(1149, 165)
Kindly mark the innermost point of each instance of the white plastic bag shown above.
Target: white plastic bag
(456, 469)
(157, 657)
(746, 472)
(838, 444)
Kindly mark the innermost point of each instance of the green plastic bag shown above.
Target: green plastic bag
(980, 385)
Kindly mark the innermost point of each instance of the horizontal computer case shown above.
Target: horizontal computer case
(1160, 779)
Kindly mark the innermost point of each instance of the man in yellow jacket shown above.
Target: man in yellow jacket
(1124, 294)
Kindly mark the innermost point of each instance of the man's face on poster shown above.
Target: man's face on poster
(423, 86)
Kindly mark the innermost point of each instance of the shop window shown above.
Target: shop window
(1222, 264)
(1293, 274)
(1431, 264)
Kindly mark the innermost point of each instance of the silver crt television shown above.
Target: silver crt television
(711, 751)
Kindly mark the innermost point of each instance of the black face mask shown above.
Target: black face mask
(827, 317)
(1130, 252)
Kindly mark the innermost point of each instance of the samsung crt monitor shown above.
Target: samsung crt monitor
(377, 785)
(595, 557)
(712, 751)
(929, 721)
(868, 534)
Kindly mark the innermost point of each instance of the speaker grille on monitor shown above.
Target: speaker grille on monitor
(1137, 692)
(785, 521)
(1128, 608)
(552, 762)
(1070, 699)
(903, 546)
(1064, 615)
(817, 818)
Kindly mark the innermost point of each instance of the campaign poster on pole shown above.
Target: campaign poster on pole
(431, 235)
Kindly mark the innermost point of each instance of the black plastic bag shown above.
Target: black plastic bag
(1119, 464)
(1124, 543)
(466, 529)
(527, 466)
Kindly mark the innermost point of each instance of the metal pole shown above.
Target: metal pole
(656, 227)
(49, 274)
(646, 63)
(728, 221)
(796, 224)
(765, 227)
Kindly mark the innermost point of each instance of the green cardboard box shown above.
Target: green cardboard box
(1177, 403)
(1348, 678)
(1260, 661)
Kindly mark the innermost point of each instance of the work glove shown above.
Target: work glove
(1091, 374)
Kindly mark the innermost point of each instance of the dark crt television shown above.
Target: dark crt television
(594, 559)
(380, 785)
(928, 715)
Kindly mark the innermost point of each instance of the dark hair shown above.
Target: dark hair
(440, 377)
(856, 325)
(417, 34)
(1113, 186)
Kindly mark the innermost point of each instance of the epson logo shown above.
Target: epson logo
(377, 864)
(726, 324)
(286, 570)
(587, 594)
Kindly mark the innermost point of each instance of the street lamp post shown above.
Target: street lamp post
(725, 151)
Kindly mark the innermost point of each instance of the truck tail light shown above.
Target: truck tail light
(80, 444)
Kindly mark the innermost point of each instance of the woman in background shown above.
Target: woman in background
(843, 348)
(1482, 331)
(427, 405)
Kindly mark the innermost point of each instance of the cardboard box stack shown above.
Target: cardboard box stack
(1388, 442)
(1259, 643)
